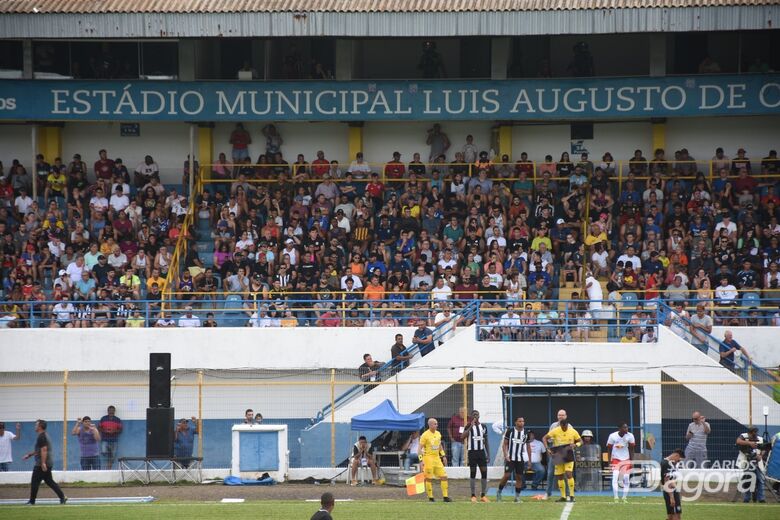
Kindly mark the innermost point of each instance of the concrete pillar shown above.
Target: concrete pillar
(659, 134)
(355, 140)
(27, 59)
(500, 57)
(504, 140)
(657, 45)
(49, 142)
(206, 148)
(187, 52)
(345, 59)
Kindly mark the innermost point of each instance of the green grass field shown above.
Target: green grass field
(585, 508)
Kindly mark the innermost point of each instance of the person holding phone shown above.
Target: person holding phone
(89, 443)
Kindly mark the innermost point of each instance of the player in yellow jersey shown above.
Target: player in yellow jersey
(564, 438)
(433, 458)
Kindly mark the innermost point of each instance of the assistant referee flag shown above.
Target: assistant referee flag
(415, 485)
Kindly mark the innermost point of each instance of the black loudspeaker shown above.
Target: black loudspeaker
(160, 380)
(159, 433)
(581, 131)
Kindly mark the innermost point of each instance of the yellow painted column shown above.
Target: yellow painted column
(355, 140)
(206, 149)
(505, 141)
(659, 136)
(50, 142)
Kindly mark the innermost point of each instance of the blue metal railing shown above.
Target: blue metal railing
(743, 367)
(231, 310)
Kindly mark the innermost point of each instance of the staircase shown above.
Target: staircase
(205, 244)
(566, 291)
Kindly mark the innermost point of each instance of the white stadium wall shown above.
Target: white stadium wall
(305, 138)
(167, 143)
(15, 143)
(620, 139)
(701, 135)
(758, 341)
(276, 348)
(380, 140)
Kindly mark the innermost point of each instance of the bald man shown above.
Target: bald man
(561, 416)
(433, 458)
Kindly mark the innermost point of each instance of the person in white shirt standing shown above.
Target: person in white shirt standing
(620, 445)
(595, 295)
(6, 453)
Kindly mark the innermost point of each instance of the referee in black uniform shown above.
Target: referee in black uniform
(475, 436)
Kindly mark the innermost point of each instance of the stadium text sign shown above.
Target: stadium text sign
(390, 100)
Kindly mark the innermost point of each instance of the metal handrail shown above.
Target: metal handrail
(747, 364)
(463, 314)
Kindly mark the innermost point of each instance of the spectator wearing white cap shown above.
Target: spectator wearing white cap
(290, 251)
(64, 281)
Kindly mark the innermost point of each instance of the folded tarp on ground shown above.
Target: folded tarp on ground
(237, 481)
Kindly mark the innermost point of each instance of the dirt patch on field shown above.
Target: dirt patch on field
(216, 492)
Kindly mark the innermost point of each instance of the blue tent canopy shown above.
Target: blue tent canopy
(385, 417)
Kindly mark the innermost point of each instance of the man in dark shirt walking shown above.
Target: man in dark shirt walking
(327, 503)
(43, 463)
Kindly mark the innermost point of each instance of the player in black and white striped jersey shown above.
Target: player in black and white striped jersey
(516, 449)
(476, 442)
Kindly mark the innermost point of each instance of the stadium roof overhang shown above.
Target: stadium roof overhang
(107, 19)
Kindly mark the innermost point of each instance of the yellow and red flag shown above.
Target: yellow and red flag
(415, 485)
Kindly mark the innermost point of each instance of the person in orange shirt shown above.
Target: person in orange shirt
(374, 290)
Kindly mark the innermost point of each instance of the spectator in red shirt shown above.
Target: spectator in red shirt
(395, 169)
(240, 139)
(455, 429)
(320, 165)
(745, 182)
(329, 318)
(104, 167)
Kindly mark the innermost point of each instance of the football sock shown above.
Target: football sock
(429, 488)
(626, 485)
(615, 483)
(570, 481)
(473, 485)
(445, 488)
(562, 487)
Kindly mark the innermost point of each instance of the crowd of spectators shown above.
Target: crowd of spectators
(390, 244)
(90, 245)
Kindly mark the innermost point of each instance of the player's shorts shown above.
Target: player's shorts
(566, 467)
(516, 467)
(677, 509)
(621, 466)
(477, 458)
(433, 468)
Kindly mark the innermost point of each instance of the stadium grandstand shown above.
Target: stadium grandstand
(544, 204)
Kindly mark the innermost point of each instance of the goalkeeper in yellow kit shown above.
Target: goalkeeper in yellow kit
(433, 458)
(564, 438)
